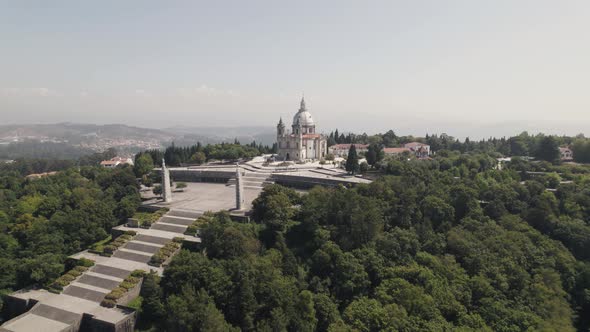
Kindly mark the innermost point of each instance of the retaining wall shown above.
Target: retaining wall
(307, 182)
(195, 175)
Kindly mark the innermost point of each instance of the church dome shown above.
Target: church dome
(303, 117)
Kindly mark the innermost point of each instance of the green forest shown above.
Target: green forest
(440, 245)
(42, 221)
(447, 244)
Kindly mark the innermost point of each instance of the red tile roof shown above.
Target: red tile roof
(395, 150)
(414, 145)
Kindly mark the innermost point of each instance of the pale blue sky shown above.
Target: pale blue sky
(469, 68)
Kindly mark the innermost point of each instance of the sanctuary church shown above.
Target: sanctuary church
(302, 142)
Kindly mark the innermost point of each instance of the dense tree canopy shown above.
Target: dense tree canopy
(198, 154)
(42, 221)
(446, 244)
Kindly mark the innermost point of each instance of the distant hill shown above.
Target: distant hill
(71, 140)
(74, 132)
(183, 135)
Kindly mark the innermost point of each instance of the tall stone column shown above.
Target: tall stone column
(166, 189)
(239, 189)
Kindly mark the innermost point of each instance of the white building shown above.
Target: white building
(421, 150)
(114, 162)
(566, 154)
(303, 142)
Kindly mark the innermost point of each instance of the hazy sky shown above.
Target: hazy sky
(468, 68)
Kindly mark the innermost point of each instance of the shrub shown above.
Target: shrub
(132, 233)
(127, 285)
(68, 278)
(178, 239)
(146, 224)
(109, 249)
(138, 273)
(164, 253)
(59, 284)
(108, 303)
(54, 290)
(81, 268)
(133, 280)
(191, 230)
(157, 259)
(74, 273)
(118, 242)
(116, 294)
(85, 262)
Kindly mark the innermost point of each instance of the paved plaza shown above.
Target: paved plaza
(203, 196)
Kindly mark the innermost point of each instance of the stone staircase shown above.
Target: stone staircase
(253, 179)
(64, 312)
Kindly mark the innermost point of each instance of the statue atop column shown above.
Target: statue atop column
(166, 189)
(239, 189)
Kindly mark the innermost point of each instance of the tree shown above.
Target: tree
(375, 154)
(157, 190)
(306, 316)
(144, 164)
(194, 311)
(198, 158)
(581, 150)
(326, 312)
(152, 308)
(518, 146)
(547, 149)
(352, 162)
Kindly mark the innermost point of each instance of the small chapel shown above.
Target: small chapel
(302, 143)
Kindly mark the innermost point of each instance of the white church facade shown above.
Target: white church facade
(302, 142)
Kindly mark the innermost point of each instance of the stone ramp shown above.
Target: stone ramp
(110, 271)
(131, 256)
(151, 239)
(29, 322)
(98, 282)
(169, 228)
(184, 214)
(84, 293)
(177, 221)
(141, 247)
(53, 313)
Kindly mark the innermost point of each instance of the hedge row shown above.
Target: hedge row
(111, 247)
(165, 252)
(146, 219)
(110, 300)
(82, 266)
(193, 228)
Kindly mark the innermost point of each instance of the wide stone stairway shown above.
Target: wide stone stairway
(253, 178)
(64, 312)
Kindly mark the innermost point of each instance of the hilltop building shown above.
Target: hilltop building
(341, 150)
(421, 150)
(116, 161)
(395, 151)
(566, 154)
(302, 142)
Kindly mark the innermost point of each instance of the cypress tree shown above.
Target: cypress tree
(352, 162)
